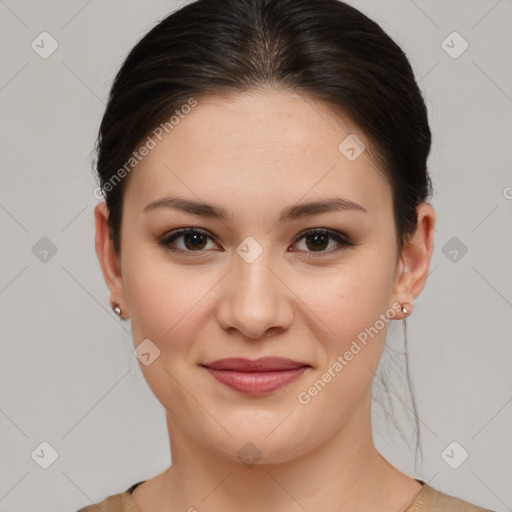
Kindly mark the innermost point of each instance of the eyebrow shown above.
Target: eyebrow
(291, 213)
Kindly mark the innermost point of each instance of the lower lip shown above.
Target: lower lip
(256, 383)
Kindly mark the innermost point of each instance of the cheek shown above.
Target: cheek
(163, 299)
(354, 295)
(164, 307)
(355, 306)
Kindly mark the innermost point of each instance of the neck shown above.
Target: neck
(345, 470)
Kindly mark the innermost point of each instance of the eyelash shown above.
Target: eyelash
(338, 237)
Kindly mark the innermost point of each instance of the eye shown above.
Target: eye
(194, 240)
(317, 240)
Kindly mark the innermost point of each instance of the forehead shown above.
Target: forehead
(263, 145)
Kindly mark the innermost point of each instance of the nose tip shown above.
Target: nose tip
(251, 316)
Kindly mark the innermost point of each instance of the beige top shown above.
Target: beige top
(428, 500)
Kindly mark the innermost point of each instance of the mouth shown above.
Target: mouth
(256, 377)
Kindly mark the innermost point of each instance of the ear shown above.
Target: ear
(414, 259)
(109, 261)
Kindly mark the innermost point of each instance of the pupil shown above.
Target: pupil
(317, 240)
(194, 237)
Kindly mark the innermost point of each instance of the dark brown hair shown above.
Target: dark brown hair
(323, 49)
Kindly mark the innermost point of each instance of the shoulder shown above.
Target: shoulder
(112, 503)
(433, 500)
(121, 502)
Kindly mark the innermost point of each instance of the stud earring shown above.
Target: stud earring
(116, 308)
(406, 308)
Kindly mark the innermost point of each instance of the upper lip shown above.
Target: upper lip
(263, 364)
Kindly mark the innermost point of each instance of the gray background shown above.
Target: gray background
(68, 376)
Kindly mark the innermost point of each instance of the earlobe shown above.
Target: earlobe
(108, 259)
(415, 256)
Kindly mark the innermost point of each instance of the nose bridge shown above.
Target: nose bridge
(254, 299)
(253, 278)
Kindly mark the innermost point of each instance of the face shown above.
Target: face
(254, 282)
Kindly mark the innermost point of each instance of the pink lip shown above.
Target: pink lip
(256, 377)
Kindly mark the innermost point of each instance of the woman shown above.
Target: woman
(263, 164)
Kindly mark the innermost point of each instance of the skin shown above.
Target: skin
(255, 154)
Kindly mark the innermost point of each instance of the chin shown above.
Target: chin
(254, 446)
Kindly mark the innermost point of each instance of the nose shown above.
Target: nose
(255, 298)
